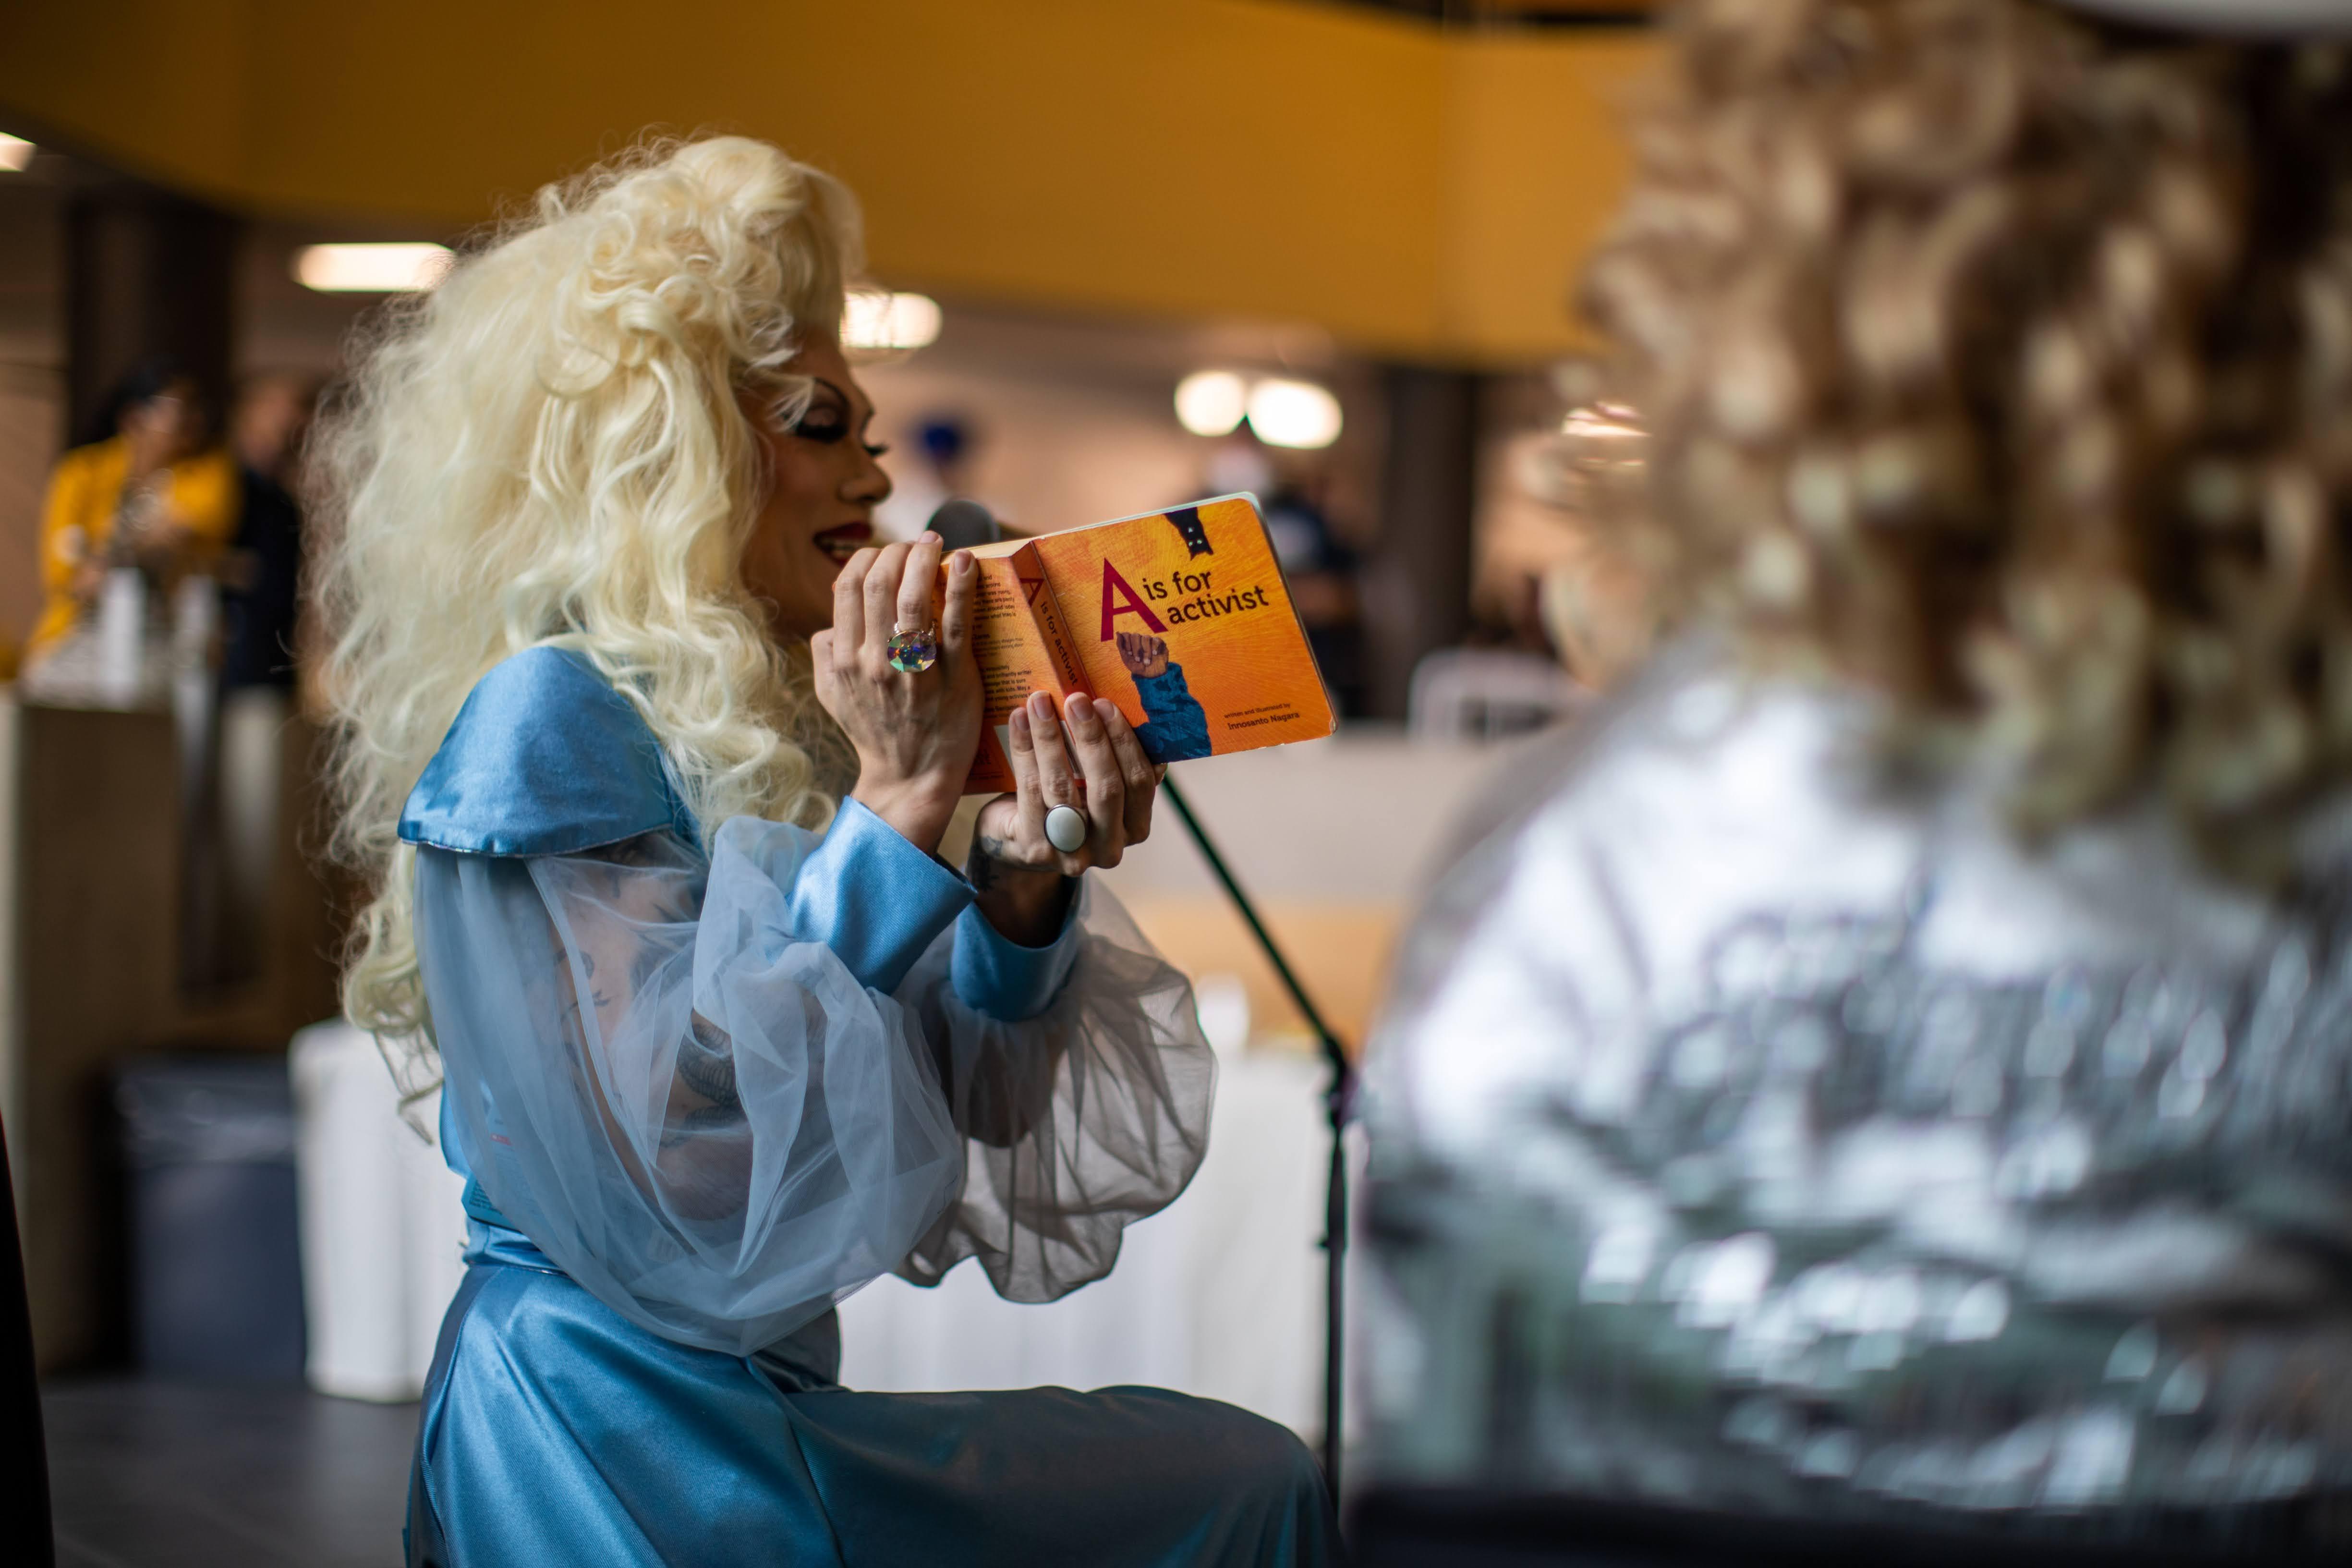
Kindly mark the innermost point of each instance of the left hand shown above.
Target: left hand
(1016, 869)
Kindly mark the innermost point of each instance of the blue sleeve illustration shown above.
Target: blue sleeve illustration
(1174, 729)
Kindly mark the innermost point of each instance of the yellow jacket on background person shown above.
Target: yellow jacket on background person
(86, 491)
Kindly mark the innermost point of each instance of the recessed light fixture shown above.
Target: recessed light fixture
(1282, 412)
(1211, 402)
(875, 321)
(15, 154)
(403, 268)
(1294, 414)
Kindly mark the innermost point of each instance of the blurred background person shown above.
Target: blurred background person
(261, 574)
(234, 843)
(1890, 1062)
(939, 470)
(1320, 570)
(129, 516)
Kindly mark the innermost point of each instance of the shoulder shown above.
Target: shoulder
(86, 465)
(1700, 796)
(545, 758)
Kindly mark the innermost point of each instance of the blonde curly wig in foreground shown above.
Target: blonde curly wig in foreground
(2004, 361)
(548, 448)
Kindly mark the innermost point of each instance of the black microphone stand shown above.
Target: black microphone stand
(1337, 1102)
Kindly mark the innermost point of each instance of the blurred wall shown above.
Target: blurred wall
(1419, 192)
(32, 391)
(1072, 422)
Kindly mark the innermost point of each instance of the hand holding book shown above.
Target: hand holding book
(912, 734)
(915, 733)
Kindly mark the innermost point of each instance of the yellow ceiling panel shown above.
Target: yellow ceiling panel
(1412, 190)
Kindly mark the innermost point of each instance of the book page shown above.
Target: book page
(1182, 618)
(1016, 653)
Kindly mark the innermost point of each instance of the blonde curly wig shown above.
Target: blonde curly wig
(2004, 359)
(549, 448)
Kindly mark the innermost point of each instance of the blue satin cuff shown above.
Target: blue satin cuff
(998, 977)
(872, 898)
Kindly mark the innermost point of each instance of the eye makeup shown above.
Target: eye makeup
(824, 422)
(826, 419)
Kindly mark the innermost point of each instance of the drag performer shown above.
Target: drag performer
(648, 752)
(1893, 1061)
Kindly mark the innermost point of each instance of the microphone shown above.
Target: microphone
(962, 523)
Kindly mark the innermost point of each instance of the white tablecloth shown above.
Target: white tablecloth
(1221, 1294)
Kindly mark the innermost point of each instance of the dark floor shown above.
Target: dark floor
(146, 1472)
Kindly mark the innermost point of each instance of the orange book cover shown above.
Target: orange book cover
(1181, 617)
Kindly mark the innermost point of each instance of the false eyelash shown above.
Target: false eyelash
(823, 435)
(876, 448)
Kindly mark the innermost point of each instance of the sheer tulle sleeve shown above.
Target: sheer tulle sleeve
(695, 1111)
(715, 1096)
(1081, 1119)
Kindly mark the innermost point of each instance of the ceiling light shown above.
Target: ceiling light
(1294, 414)
(370, 268)
(1211, 402)
(880, 321)
(15, 152)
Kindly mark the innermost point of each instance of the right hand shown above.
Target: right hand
(1144, 655)
(915, 735)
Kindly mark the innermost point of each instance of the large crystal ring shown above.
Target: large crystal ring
(911, 653)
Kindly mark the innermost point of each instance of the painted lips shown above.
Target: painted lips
(840, 543)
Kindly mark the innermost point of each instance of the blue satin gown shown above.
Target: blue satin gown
(700, 1093)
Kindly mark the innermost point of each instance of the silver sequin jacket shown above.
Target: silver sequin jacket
(1755, 1128)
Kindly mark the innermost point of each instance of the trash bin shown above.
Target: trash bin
(215, 1260)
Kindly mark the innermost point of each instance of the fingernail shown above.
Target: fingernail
(1018, 722)
(961, 560)
(928, 537)
(1105, 708)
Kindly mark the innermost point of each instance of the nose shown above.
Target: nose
(867, 484)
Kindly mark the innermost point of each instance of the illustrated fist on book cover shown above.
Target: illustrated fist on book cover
(1174, 729)
(1144, 655)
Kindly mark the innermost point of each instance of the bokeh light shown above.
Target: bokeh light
(1297, 413)
(398, 269)
(1211, 402)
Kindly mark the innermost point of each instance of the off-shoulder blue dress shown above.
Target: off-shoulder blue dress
(700, 1092)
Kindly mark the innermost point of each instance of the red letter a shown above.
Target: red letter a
(1115, 589)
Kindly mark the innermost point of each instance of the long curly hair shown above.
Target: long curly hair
(552, 447)
(2004, 359)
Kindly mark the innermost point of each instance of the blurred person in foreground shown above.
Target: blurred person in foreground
(648, 753)
(144, 496)
(1895, 1059)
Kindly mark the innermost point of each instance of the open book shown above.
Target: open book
(1181, 617)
